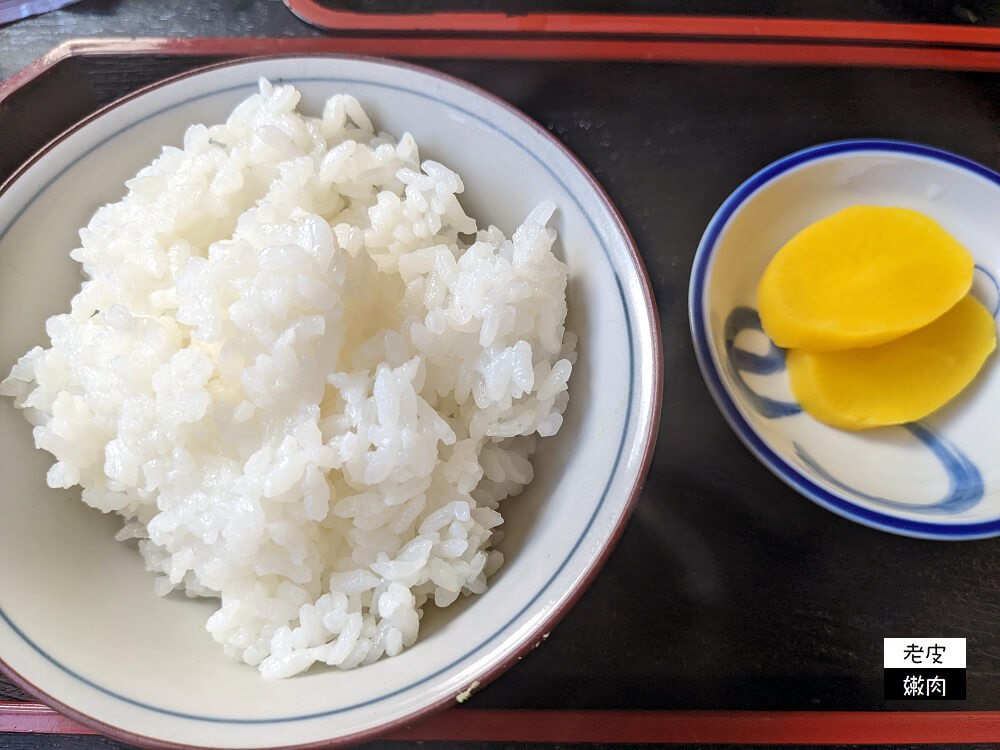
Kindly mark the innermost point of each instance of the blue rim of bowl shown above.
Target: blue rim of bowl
(699, 331)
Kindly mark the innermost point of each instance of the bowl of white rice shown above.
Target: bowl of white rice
(327, 385)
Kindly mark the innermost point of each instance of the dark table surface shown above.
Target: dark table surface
(728, 590)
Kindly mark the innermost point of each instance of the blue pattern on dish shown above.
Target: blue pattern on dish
(740, 360)
(988, 293)
(965, 482)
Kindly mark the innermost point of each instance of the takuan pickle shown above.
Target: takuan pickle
(873, 305)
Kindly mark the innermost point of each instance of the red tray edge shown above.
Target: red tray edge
(752, 49)
(639, 727)
(638, 23)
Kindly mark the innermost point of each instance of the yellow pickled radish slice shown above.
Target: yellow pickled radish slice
(900, 381)
(863, 276)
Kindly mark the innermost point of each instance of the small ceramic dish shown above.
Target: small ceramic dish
(80, 625)
(938, 478)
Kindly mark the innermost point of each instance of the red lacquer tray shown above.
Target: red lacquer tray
(764, 622)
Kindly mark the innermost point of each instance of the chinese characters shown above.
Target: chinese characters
(924, 669)
(915, 686)
(916, 653)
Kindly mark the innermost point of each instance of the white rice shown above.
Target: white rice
(304, 392)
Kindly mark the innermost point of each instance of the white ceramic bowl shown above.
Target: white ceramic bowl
(938, 478)
(79, 623)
